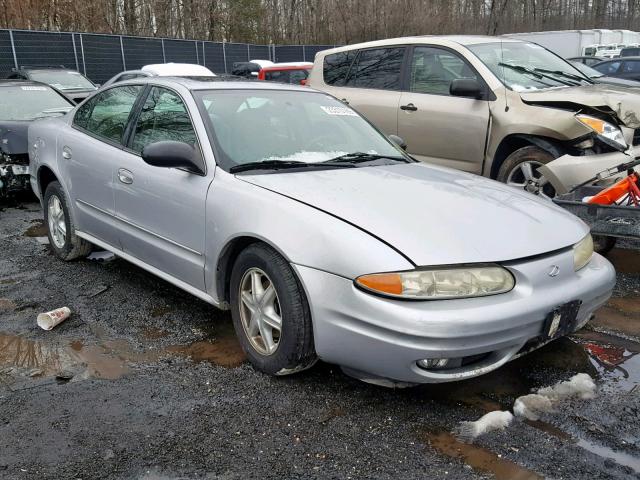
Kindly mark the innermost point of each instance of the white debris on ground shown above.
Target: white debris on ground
(102, 256)
(530, 406)
(497, 420)
(580, 385)
(533, 405)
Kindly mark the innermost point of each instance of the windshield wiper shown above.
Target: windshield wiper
(283, 164)
(535, 72)
(359, 157)
(571, 76)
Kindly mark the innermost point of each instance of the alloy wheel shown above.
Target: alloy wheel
(57, 223)
(525, 175)
(260, 312)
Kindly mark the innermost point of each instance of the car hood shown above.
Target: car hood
(433, 215)
(622, 101)
(624, 82)
(13, 137)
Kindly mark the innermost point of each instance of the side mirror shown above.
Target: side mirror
(170, 154)
(303, 81)
(465, 87)
(398, 141)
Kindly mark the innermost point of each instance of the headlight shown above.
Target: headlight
(440, 283)
(582, 252)
(608, 133)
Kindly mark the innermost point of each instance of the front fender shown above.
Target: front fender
(302, 234)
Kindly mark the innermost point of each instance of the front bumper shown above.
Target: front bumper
(567, 171)
(384, 338)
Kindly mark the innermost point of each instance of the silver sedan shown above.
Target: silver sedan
(323, 238)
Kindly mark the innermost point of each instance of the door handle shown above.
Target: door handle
(125, 176)
(66, 153)
(344, 100)
(410, 107)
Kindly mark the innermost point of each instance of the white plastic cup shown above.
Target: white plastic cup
(48, 320)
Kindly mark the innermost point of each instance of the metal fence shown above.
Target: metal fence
(100, 56)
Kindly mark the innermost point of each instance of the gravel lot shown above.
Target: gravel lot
(145, 381)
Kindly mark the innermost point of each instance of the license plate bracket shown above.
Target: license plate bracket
(561, 320)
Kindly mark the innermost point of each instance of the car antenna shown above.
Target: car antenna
(504, 81)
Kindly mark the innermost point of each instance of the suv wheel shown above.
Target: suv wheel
(270, 312)
(66, 245)
(520, 169)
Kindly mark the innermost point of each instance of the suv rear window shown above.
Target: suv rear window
(377, 68)
(336, 67)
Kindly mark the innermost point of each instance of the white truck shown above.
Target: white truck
(575, 43)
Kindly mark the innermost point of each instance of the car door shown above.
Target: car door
(161, 211)
(630, 70)
(372, 86)
(438, 127)
(87, 155)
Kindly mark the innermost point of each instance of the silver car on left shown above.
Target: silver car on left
(323, 238)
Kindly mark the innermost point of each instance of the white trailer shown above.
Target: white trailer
(572, 43)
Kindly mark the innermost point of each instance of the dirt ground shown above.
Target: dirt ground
(145, 381)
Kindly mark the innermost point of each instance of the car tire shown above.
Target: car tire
(513, 171)
(64, 242)
(257, 269)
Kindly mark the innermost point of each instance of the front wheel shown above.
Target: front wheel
(66, 245)
(520, 170)
(270, 312)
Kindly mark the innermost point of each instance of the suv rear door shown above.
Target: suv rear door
(371, 83)
(438, 127)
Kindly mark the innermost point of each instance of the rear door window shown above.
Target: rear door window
(433, 69)
(378, 68)
(107, 113)
(336, 67)
(163, 117)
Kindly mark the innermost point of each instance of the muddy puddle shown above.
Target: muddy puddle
(613, 361)
(109, 359)
(38, 229)
(478, 458)
(42, 359)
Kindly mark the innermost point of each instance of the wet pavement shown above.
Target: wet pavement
(145, 381)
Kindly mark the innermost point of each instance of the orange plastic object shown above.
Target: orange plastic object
(616, 191)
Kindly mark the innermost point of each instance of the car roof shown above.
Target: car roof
(45, 68)
(620, 59)
(12, 82)
(166, 69)
(216, 83)
(465, 40)
(288, 66)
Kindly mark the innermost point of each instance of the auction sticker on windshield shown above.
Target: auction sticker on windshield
(344, 111)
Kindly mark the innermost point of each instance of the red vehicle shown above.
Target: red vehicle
(293, 73)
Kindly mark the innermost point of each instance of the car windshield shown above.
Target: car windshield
(288, 126)
(62, 79)
(29, 102)
(523, 66)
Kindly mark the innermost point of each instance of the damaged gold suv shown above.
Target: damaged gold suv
(493, 106)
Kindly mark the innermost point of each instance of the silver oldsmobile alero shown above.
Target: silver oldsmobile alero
(320, 234)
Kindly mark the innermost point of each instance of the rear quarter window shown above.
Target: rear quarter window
(336, 67)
